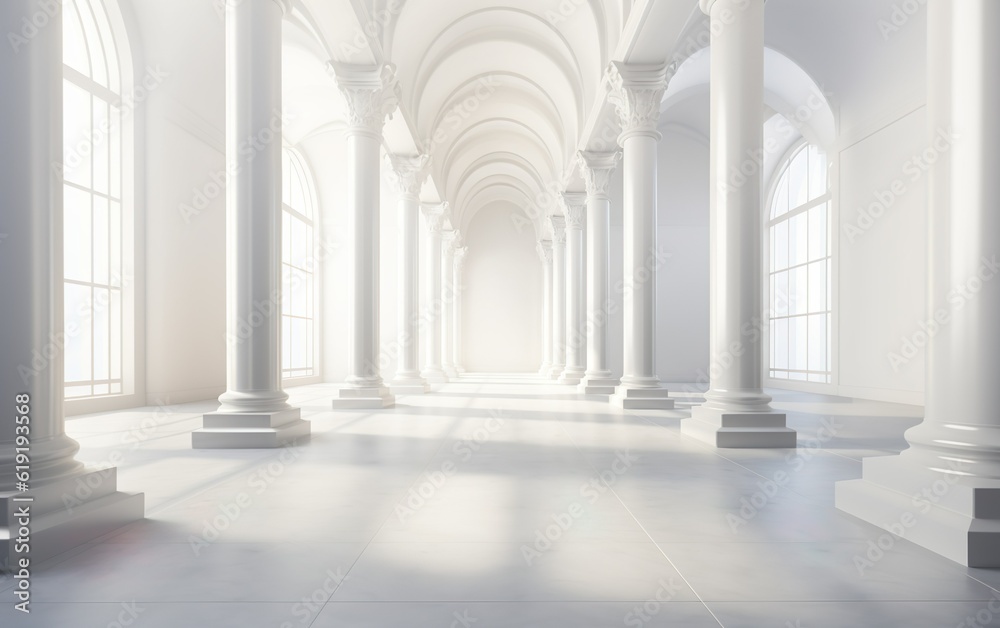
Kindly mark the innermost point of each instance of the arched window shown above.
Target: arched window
(800, 269)
(97, 174)
(299, 262)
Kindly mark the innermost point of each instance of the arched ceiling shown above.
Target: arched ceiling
(498, 93)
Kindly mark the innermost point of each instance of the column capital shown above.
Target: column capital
(460, 254)
(372, 94)
(597, 169)
(558, 230)
(435, 216)
(575, 205)
(636, 91)
(408, 173)
(544, 249)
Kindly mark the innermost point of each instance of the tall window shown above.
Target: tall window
(299, 261)
(800, 269)
(98, 222)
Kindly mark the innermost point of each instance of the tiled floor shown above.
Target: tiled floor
(498, 502)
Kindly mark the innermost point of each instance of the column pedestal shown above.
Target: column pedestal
(372, 95)
(636, 92)
(254, 412)
(597, 169)
(434, 216)
(943, 493)
(70, 504)
(736, 412)
(409, 173)
(558, 224)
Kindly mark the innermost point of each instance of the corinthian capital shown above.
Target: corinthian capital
(636, 92)
(435, 216)
(558, 230)
(372, 94)
(597, 169)
(575, 204)
(408, 173)
(544, 249)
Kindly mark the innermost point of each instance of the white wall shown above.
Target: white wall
(502, 303)
(185, 255)
(883, 260)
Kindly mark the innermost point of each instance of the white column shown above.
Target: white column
(371, 93)
(254, 410)
(434, 216)
(545, 253)
(450, 240)
(558, 224)
(575, 205)
(456, 316)
(597, 169)
(80, 504)
(953, 462)
(409, 174)
(636, 92)
(737, 412)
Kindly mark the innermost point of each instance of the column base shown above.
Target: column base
(66, 514)
(450, 372)
(250, 430)
(631, 397)
(435, 376)
(370, 398)
(409, 386)
(739, 430)
(955, 516)
(598, 384)
(572, 376)
(556, 371)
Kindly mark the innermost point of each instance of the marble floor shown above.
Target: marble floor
(499, 502)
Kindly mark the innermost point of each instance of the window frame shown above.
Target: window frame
(830, 198)
(311, 189)
(133, 394)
